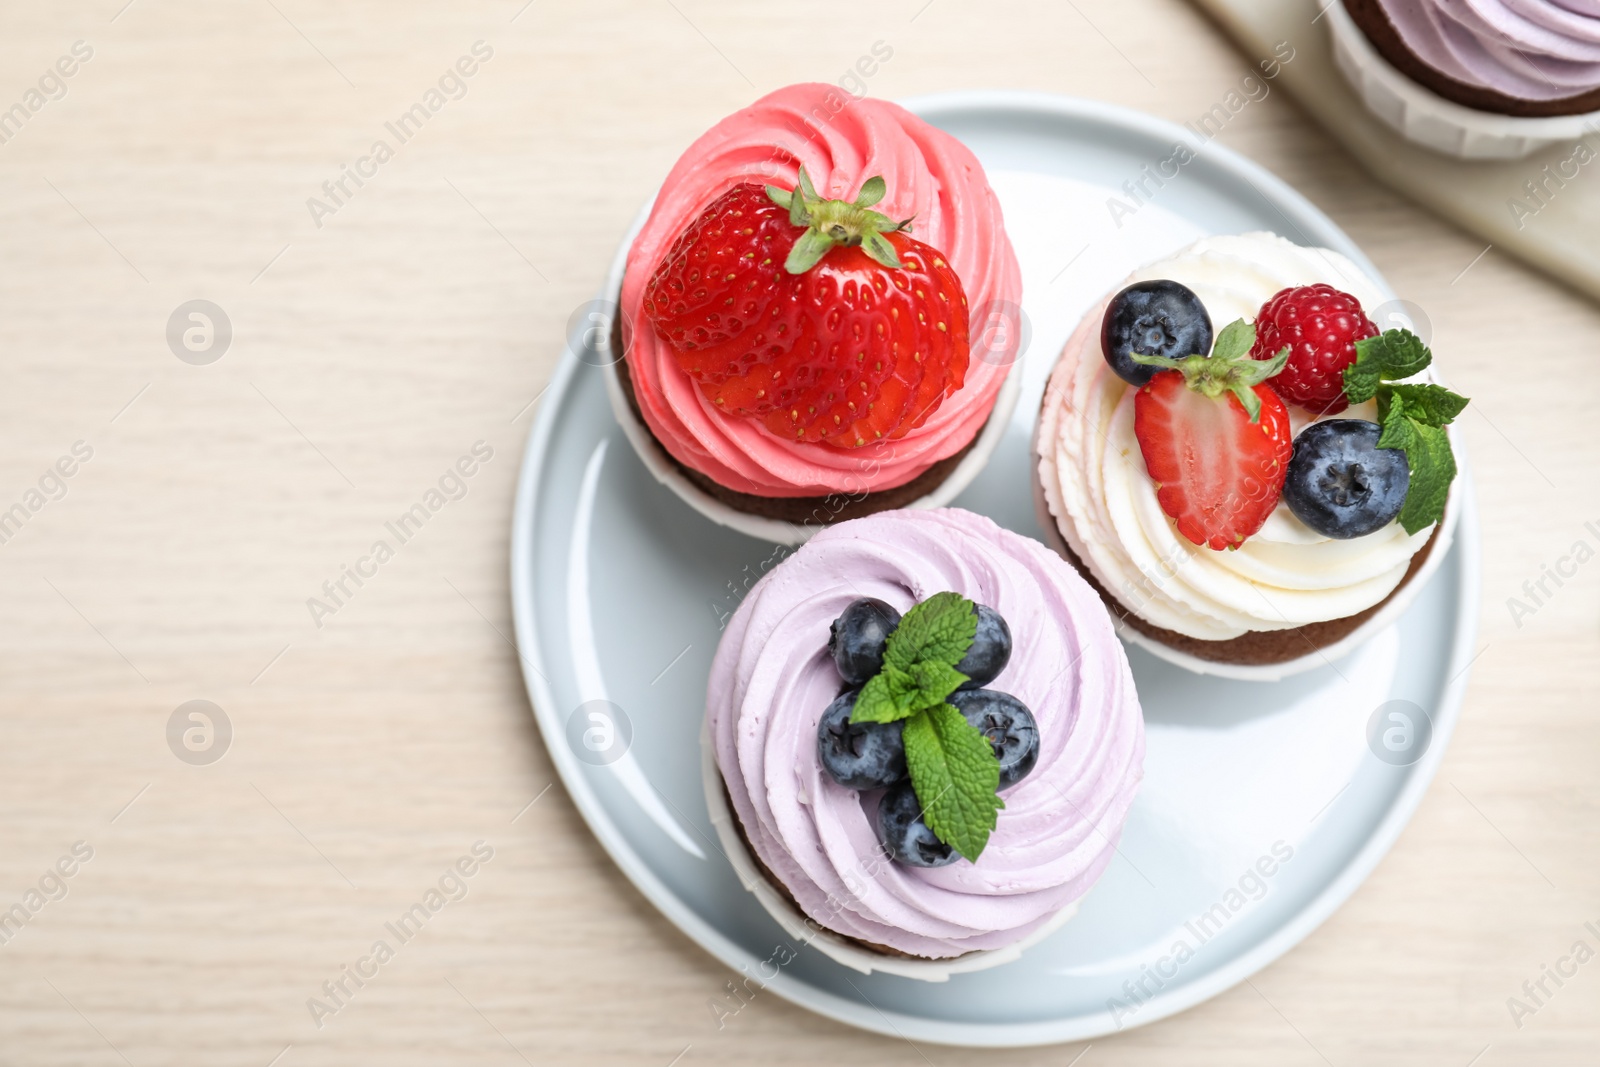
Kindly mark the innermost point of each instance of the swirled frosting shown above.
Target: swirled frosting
(841, 141)
(1104, 501)
(772, 678)
(1530, 49)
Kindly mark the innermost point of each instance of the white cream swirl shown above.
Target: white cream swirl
(1104, 501)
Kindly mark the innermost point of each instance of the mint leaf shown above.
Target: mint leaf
(955, 774)
(893, 694)
(935, 680)
(1396, 427)
(1428, 454)
(1433, 468)
(1431, 404)
(940, 628)
(876, 702)
(953, 766)
(1391, 355)
(1413, 417)
(888, 695)
(919, 662)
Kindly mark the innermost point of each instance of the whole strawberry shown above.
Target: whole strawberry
(1215, 439)
(713, 282)
(1320, 325)
(821, 318)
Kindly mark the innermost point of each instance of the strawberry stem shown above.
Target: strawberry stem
(832, 223)
(1228, 369)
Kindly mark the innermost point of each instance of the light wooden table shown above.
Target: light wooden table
(368, 354)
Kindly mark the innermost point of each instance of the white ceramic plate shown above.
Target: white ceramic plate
(620, 591)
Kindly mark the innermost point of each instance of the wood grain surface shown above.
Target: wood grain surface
(374, 345)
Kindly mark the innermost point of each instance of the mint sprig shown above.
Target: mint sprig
(1391, 355)
(1432, 463)
(956, 776)
(1413, 416)
(1432, 404)
(919, 666)
(954, 770)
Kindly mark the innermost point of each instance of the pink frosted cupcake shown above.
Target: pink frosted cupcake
(797, 315)
(821, 785)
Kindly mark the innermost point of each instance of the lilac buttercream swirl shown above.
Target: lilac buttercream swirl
(772, 678)
(1528, 49)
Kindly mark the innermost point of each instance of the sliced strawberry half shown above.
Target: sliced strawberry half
(1215, 438)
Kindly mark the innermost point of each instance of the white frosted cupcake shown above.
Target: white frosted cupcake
(1231, 547)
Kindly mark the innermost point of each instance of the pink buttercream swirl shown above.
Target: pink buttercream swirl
(772, 678)
(1529, 49)
(841, 141)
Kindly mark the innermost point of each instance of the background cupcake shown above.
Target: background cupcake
(1491, 78)
(785, 396)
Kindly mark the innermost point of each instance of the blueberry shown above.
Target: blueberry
(1340, 483)
(857, 639)
(1009, 726)
(862, 755)
(990, 651)
(1155, 318)
(905, 836)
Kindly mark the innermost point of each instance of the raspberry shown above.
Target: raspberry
(1321, 326)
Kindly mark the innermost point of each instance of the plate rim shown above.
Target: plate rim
(1005, 1034)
